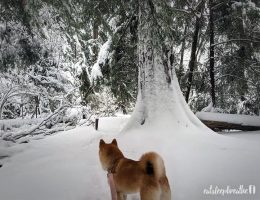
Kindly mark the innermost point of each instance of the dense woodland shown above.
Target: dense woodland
(65, 64)
(65, 54)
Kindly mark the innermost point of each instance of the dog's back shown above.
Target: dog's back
(146, 176)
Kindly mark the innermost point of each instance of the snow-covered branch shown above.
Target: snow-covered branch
(102, 59)
(231, 75)
(42, 123)
(12, 92)
(235, 40)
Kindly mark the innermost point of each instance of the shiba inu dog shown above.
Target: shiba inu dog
(146, 176)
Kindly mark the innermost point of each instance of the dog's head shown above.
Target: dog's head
(109, 153)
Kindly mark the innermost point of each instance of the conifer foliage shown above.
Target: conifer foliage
(85, 53)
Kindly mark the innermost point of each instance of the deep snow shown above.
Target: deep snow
(65, 166)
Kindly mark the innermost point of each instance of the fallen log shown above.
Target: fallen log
(221, 121)
(31, 131)
(229, 126)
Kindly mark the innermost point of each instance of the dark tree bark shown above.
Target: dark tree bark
(37, 106)
(26, 16)
(95, 34)
(95, 29)
(192, 62)
(181, 69)
(211, 54)
(217, 125)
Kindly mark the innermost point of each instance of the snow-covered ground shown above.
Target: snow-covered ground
(66, 166)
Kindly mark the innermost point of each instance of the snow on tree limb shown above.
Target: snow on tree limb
(101, 61)
(236, 40)
(12, 92)
(96, 72)
(42, 123)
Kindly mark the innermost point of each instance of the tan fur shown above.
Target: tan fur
(132, 176)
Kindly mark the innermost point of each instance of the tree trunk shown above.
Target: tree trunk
(22, 111)
(211, 55)
(192, 62)
(181, 69)
(159, 97)
(37, 103)
(154, 73)
(96, 24)
(26, 16)
(3, 101)
(1, 110)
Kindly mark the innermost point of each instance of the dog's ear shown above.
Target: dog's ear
(114, 142)
(101, 142)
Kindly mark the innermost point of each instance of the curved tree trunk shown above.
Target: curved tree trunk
(159, 96)
(193, 56)
(211, 54)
